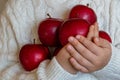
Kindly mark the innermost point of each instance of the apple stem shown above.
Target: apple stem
(33, 41)
(48, 15)
(87, 5)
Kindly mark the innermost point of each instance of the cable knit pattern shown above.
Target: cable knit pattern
(18, 26)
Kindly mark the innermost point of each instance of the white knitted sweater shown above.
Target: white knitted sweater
(18, 26)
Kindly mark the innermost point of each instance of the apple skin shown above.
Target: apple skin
(83, 12)
(48, 31)
(105, 35)
(31, 55)
(73, 27)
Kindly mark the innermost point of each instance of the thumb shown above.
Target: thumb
(101, 42)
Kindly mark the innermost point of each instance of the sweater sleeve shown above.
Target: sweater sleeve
(52, 70)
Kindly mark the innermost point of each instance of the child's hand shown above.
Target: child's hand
(89, 54)
(63, 59)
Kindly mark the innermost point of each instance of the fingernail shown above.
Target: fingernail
(70, 39)
(78, 36)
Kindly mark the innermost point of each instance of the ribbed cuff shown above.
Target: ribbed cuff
(51, 70)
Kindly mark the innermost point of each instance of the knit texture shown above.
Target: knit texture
(18, 26)
(51, 70)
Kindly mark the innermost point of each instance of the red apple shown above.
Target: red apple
(105, 35)
(83, 12)
(31, 55)
(72, 27)
(48, 31)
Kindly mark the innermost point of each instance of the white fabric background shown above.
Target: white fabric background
(19, 26)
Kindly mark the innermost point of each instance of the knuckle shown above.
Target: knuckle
(75, 42)
(75, 55)
(83, 51)
(87, 43)
(81, 61)
(83, 40)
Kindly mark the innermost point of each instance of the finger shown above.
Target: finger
(88, 44)
(79, 58)
(96, 30)
(81, 49)
(101, 42)
(77, 66)
(90, 33)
